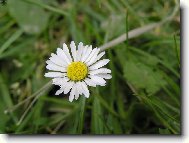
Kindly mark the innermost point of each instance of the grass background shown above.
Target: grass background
(143, 97)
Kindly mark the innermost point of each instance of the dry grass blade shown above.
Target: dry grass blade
(46, 86)
(40, 92)
(138, 31)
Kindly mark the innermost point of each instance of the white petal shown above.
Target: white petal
(66, 51)
(91, 55)
(68, 86)
(105, 76)
(54, 67)
(59, 81)
(62, 55)
(98, 71)
(72, 93)
(54, 74)
(59, 91)
(85, 89)
(98, 80)
(56, 60)
(49, 62)
(73, 50)
(79, 51)
(99, 64)
(100, 56)
(77, 90)
(90, 82)
(89, 50)
(84, 52)
(93, 58)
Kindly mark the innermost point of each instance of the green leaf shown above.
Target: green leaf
(97, 126)
(81, 114)
(143, 77)
(141, 72)
(32, 19)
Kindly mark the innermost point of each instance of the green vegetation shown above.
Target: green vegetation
(143, 97)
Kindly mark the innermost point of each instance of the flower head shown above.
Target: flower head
(76, 71)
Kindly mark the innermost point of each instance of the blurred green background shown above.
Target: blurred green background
(143, 97)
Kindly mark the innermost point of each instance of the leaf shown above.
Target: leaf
(32, 19)
(141, 72)
(97, 126)
(143, 77)
(81, 115)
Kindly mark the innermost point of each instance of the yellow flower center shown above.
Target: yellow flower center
(77, 71)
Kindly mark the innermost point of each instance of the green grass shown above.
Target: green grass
(143, 97)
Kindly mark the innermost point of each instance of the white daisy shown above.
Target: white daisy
(76, 71)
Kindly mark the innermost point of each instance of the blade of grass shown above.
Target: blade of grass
(6, 97)
(47, 7)
(105, 104)
(161, 117)
(176, 51)
(7, 26)
(131, 11)
(160, 106)
(13, 38)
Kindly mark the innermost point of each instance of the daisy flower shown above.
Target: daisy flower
(76, 71)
